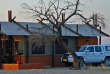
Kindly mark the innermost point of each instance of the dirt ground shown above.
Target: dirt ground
(57, 70)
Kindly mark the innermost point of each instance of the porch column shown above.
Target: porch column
(10, 49)
(27, 48)
(53, 53)
(76, 42)
(27, 52)
(0, 47)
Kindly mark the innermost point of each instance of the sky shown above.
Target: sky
(89, 7)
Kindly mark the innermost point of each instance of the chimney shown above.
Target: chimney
(63, 16)
(95, 20)
(9, 16)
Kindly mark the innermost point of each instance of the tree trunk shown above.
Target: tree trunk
(72, 52)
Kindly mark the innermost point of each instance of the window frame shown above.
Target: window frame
(100, 49)
(89, 49)
(42, 48)
(106, 48)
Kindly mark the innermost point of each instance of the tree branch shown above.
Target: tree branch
(77, 3)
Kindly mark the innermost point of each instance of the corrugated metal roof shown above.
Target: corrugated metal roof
(66, 32)
(37, 28)
(31, 26)
(85, 30)
(13, 29)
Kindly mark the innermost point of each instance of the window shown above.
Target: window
(18, 45)
(38, 50)
(59, 49)
(6, 46)
(107, 48)
(82, 49)
(91, 49)
(98, 49)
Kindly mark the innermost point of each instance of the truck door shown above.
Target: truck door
(99, 55)
(89, 54)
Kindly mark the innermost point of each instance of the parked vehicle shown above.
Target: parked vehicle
(90, 54)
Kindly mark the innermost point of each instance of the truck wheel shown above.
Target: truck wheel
(81, 61)
(107, 62)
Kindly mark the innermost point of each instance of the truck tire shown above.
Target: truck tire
(107, 61)
(81, 61)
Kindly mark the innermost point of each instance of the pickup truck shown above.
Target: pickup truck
(90, 54)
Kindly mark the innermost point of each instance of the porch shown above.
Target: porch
(12, 48)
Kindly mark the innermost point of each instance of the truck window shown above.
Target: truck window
(107, 48)
(98, 49)
(82, 49)
(91, 49)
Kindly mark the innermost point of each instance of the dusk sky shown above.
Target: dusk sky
(90, 7)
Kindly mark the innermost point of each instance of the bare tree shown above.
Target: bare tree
(52, 13)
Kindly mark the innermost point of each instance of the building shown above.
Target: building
(15, 44)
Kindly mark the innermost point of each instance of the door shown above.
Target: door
(99, 55)
(89, 55)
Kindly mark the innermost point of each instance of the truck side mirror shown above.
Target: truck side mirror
(86, 50)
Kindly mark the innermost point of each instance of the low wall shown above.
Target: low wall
(21, 66)
(45, 60)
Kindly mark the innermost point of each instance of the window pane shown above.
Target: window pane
(16, 47)
(98, 49)
(38, 50)
(91, 49)
(107, 48)
(82, 49)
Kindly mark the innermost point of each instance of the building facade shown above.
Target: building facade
(14, 44)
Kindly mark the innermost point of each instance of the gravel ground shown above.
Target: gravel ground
(61, 70)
